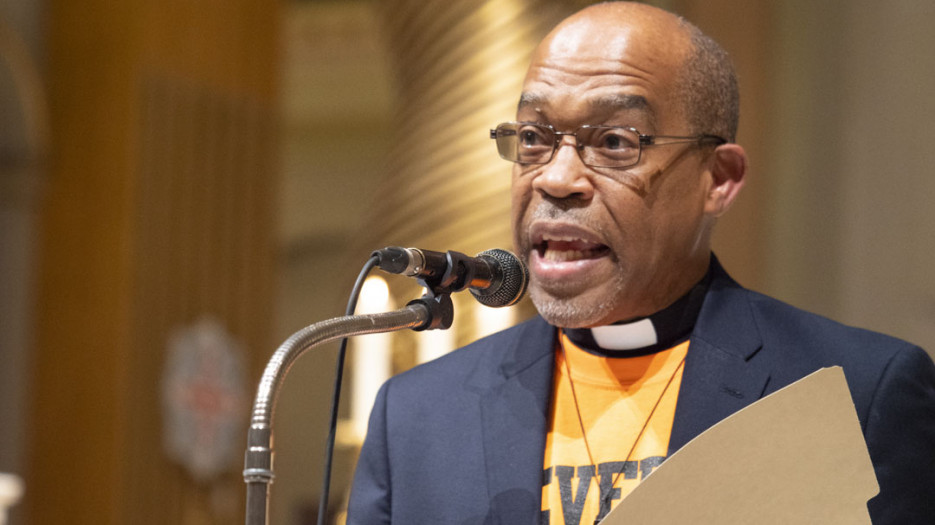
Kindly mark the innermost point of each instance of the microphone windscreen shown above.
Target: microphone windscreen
(514, 276)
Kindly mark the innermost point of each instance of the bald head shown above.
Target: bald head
(691, 73)
(606, 244)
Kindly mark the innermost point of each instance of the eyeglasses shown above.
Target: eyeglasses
(598, 146)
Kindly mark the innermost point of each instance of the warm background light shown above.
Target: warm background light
(171, 160)
(371, 355)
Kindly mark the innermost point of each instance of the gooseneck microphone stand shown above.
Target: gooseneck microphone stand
(433, 310)
(496, 278)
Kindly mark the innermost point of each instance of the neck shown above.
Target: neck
(659, 331)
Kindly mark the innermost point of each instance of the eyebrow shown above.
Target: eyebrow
(617, 101)
(614, 102)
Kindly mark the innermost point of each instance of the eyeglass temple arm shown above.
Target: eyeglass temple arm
(495, 132)
(649, 140)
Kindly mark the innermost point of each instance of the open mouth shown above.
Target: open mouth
(567, 249)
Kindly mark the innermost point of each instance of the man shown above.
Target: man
(624, 160)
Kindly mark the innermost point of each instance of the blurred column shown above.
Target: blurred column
(23, 149)
(158, 214)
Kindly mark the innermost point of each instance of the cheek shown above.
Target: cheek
(627, 213)
(681, 217)
(644, 225)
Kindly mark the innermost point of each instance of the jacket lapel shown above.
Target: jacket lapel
(514, 417)
(720, 376)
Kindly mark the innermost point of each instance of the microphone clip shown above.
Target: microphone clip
(458, 275)
(459, 272)
(440, 308)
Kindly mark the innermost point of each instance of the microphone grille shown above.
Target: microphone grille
(511, 288)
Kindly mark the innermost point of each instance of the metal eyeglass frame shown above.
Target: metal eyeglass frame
(644, 140)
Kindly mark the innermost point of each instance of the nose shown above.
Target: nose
(565, 176)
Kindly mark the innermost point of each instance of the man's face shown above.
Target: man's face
(606, 245)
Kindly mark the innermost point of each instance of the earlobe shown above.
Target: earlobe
(728, 174)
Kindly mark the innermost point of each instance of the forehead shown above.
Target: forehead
(595, 67)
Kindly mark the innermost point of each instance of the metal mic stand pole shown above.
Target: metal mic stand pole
(428, 312)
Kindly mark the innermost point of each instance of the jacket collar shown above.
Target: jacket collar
(720, 376)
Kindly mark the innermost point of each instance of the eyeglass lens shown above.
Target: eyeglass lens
(597, 146)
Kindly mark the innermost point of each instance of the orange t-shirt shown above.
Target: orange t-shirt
(616, 398)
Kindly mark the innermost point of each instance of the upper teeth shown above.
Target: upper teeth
(562, 238)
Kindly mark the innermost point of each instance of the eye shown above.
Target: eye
(533, 136)
(616, 139)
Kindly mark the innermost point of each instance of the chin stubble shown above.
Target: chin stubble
(576, 311)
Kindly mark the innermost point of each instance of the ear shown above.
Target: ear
(728, 174)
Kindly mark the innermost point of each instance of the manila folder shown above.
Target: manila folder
(795, 456)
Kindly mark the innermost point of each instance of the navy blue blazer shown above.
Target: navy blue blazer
(461, 440)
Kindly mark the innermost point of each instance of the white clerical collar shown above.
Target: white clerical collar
(661, 330)
(626, 336)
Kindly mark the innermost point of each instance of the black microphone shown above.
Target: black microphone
(495, 277)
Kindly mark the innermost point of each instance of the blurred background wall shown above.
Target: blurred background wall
(185, 184)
